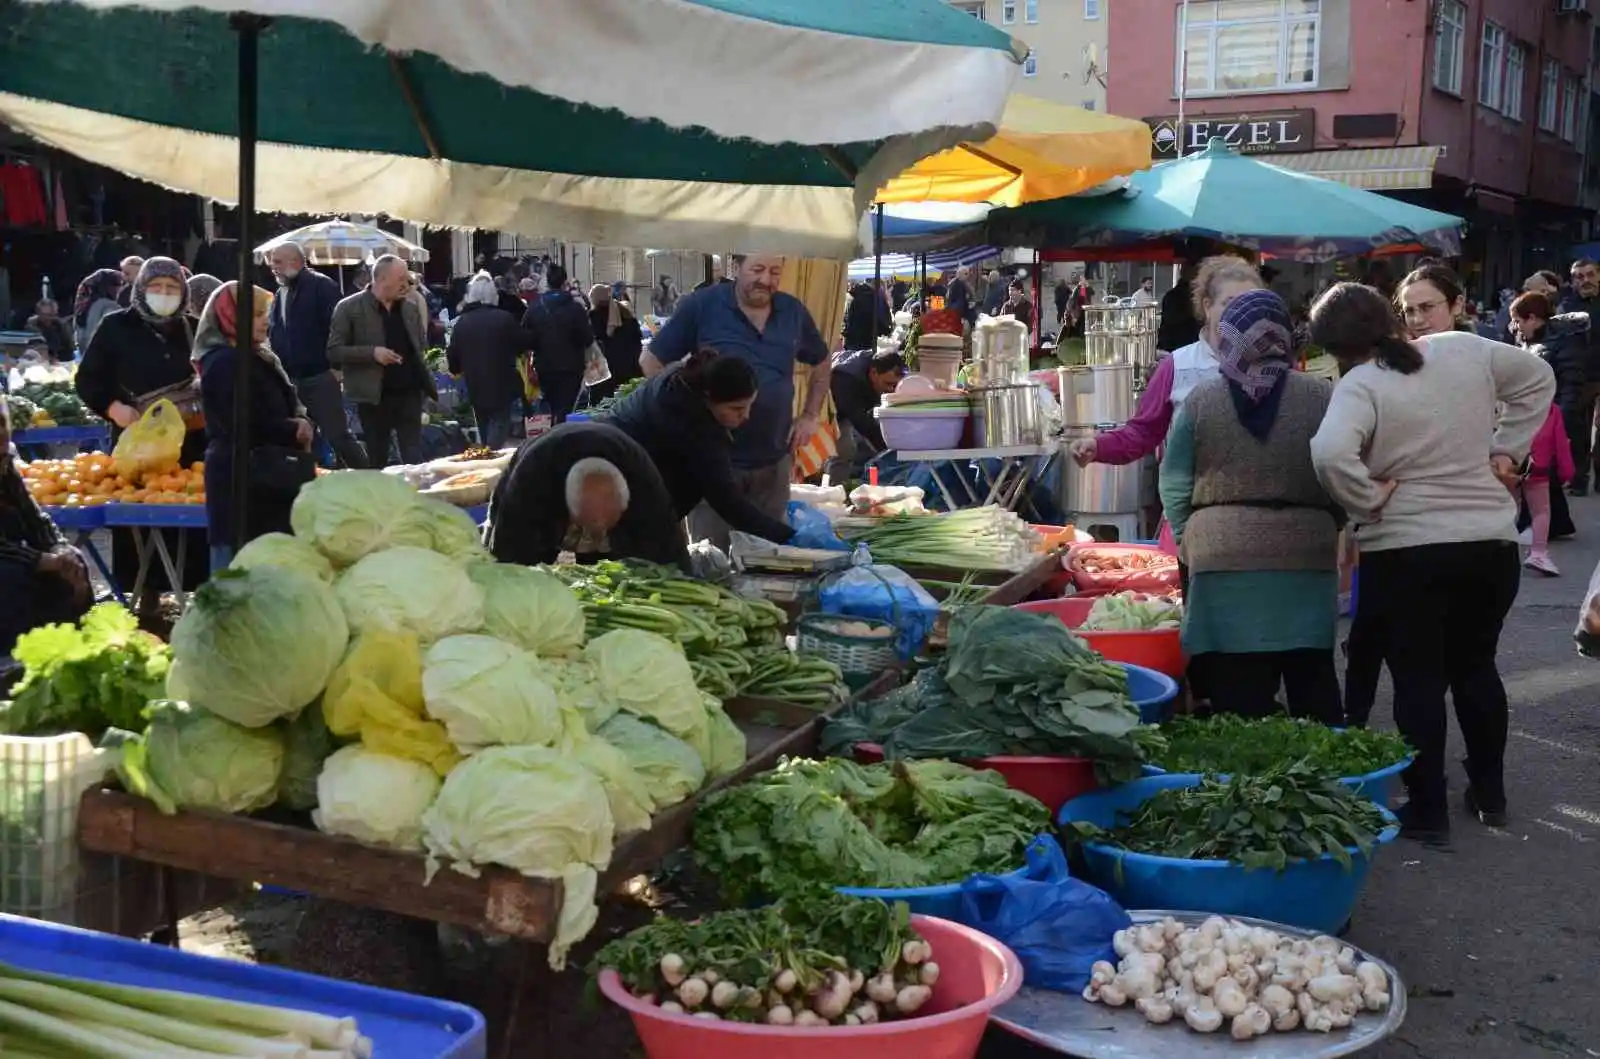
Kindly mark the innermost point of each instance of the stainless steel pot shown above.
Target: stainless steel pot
(1096, 393)
(1004, 416)
(1100, 488)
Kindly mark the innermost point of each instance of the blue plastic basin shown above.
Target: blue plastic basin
(1314, 894)
(1378, 787)
(942, 902)
(1153, 693)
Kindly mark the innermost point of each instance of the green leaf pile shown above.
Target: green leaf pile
(98, 674)
(1228, 744)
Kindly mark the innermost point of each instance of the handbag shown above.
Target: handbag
(595, 368)
(185, 396)
(279, 471)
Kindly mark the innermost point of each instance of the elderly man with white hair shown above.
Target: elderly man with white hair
(484, 347)
(588, 489)
(378, 338)
(297, 330)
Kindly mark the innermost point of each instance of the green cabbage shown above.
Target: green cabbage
(374, 798)
(648, 675)
(189, 758)
(280, 549)
(577, 685)
(529, 607)
(444, 528)
(352, 514)
(487, 692)
(536, 811)
(626, 790)
(727, 748)
(306, 745)
(671, 768)
(408, 589)
(257, 645)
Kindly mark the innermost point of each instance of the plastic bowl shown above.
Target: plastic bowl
(1378, 786)
(1313, 894)
(976, 975)
(923, 433)
(1153, 692)
(1052, 780)
(1157, 649)
(939, 902)
(1161, 579)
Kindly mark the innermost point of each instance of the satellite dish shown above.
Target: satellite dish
(1092, 70)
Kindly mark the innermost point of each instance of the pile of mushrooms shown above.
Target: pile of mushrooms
(1255, 979)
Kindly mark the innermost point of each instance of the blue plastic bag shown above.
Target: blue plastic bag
(887, 593)
(1057, 925)
(812, 529)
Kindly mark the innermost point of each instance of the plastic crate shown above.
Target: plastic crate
(41, 782)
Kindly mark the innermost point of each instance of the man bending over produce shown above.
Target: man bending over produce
(585, 488)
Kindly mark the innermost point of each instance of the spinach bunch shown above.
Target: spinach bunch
(1230, 744)
(808, 826)
(1286, 814)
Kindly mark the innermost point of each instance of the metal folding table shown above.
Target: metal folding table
(1004, 473)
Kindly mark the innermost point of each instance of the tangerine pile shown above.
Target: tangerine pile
(90, 479)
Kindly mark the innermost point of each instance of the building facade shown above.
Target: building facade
(1476, 107)
(1069, 62)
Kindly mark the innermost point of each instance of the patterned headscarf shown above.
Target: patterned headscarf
(155, 268)
(201, 288)
(103, 283)
(1255, 349)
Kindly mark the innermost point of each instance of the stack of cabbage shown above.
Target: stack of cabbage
(478, 725)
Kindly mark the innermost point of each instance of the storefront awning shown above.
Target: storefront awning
(1368, 168)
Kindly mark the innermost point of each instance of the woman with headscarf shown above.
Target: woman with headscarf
(95, 298)
(279, 428)
(1256, 529)
(139, 355)
(485, 345)
(617, 330)
(201, 288)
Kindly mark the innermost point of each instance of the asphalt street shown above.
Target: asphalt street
(1498, 937)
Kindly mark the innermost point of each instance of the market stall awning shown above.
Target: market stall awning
(1368, 168)
(911, 264)
(1043, 150)
(341, 242)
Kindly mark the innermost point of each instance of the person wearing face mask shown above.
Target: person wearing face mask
(684, 419)
(301, 317)
(140, 355)
(277, 422)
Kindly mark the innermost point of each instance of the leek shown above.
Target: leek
(981, 538)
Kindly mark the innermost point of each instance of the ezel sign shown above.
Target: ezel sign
(1272, 132)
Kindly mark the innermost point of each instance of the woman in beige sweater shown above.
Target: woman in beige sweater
(1404, 451)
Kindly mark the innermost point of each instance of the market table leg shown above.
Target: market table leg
(944, 493)
(85, 543)
(532, 974)
(174, 577)
(145, 541)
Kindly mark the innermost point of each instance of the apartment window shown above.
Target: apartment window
(1492, 66)
(1030, 65)
(1091, 9)
(1449, 45)
(1088, 104)
(1550, 96)
(1008, 12)
(1569, 108)
(975, 10)
(1516, 78)
(1250, 45)
(1030, 11)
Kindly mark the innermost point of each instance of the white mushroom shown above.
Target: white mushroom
(1135, 984)
(1334, 987)
(1346, 960)
(1206, 973)
(1112, 995)
(1202, 1016)
(1277, 1000)
(1099, 974)
(1155, 1009)
(1287, 1022)
(1247, 977)
(1229, 999)
(1123, 942)
(1253, 1021)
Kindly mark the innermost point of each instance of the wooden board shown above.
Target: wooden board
(1019, 587)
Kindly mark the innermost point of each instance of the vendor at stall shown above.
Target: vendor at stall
(684, 419)
(588, 489)
(860, 379)
(43, 579)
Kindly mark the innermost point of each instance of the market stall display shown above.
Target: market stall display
(981, 538)
(86, 678)
(1134, 627)
(93, 478)
(43, 402)
(1121, 567)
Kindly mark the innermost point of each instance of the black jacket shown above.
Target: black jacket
(1564, 345)
(559, 331)
(853, 395)
(484, 347)
(859, 332)
(959, 297)
(1572, 303)
(528, 518)
(1179, 327)
(273, 408)
(302, 314)
(691, 450)
(128, 358)
(621, 347)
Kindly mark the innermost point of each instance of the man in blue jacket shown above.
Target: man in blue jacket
(302, 313)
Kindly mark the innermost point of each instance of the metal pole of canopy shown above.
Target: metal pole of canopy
(249, 30)
(877, 270)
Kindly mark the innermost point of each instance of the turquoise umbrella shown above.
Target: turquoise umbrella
(1219, 194)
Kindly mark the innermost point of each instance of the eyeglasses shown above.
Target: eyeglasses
(1422, 308)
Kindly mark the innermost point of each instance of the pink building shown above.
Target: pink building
(1477, 107)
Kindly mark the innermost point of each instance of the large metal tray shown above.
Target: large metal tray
(1067, 1023)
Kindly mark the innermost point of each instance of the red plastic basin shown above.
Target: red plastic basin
(1157, 649)
(1157, 580)
(976, 975)
(1053, 780)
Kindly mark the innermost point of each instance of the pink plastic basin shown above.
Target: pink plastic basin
(1158, 580)
(1053, 780)
(1157, 649)
(976, 975)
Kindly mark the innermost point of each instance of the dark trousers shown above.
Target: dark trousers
(1364, 659)
(560, 393)
(324, 400)
(1440, 609)
(1578, 418)
(494, 426)
(1247, 684)
(397, 415)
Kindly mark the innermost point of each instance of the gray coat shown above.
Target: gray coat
(357, 331)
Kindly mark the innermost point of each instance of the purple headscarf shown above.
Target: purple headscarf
(1255, 349)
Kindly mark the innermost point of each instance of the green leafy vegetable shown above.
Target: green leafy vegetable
(487, 692)
(671, 768)
(306, 745)
(1264, 821)
(1132, 612)
(280, 549)
(530, 608)
(349, 515)
(98, 674)
(190, 758)
(1229, 744)
(808, 826)
(374, 798)
(410, 589)
(648, 676)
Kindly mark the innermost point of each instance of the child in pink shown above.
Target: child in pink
(1551, 459)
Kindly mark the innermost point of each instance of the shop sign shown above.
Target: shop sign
(1268, 132)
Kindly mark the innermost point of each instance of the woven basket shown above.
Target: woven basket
(855, 655)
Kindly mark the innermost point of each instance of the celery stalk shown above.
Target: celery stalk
(62, 1034)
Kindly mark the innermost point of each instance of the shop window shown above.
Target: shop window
(1449, 44)
(1030, 65)
(1249, 45)
(1091, 9)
